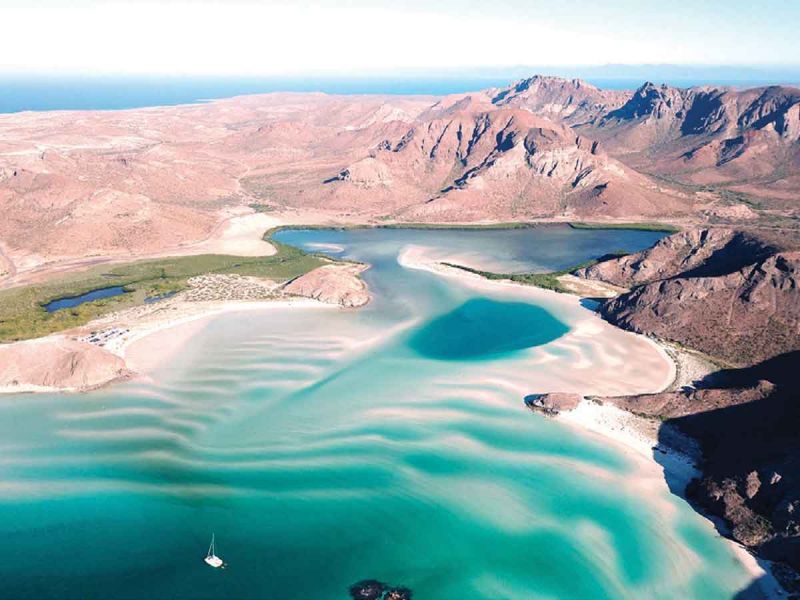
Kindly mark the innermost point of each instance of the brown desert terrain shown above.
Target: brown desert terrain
(86, 185)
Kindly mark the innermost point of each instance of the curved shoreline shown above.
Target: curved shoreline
(633, 436)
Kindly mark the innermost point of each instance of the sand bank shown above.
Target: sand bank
(131, 342)
(585, 326)
(656, 468)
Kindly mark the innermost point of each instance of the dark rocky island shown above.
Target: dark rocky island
(372, 589)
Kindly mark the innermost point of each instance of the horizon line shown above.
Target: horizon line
(479, 72)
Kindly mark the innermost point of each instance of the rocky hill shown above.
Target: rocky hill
(335, 284)
(58, 363)
(470, 163)
(731, 294)
(742, 317)
(691, 253)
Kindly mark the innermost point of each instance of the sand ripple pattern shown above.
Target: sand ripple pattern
(323, 449)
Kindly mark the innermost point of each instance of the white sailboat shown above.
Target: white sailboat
(211, 558)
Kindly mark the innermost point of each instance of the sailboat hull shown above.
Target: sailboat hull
(214, 561)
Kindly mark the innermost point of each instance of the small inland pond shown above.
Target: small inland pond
(73, 301)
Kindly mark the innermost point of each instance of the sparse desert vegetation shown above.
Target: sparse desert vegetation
(22, 313)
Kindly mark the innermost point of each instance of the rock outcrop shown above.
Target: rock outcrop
(372, 589)
(367, 173)
(58, 363)
(553, 402)
(335, 284)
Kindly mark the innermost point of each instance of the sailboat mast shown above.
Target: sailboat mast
(211, 547)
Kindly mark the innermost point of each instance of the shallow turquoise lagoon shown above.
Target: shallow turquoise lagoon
(325, 447)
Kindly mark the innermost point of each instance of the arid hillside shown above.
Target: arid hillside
(77, 185)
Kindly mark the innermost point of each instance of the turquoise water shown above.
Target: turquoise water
(325, 447)
(87, 297)
(481, 328)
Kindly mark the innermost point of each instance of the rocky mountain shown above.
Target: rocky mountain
(702, 136)
(748, 139)
(729, 293)
(100, 183)
(572, 101)
(706, 135)
(470, 162)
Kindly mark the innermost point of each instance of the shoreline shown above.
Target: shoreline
(151, 344)
(635, 437)
(139, 325)
(628, 433)
(205, 310)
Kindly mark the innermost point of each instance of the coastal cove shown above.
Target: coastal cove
(329, 447)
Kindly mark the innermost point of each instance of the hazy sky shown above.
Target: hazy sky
(250, 37)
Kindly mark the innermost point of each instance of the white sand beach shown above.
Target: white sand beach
(633, 436)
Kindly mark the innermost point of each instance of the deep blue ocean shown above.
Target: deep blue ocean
(20, 93)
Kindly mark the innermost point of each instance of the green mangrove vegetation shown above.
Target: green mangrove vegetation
(23, 316)
(548, 281)
(634, 226)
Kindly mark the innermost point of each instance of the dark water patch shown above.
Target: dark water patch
(482, 328)
(72, 301)
(372, 589)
